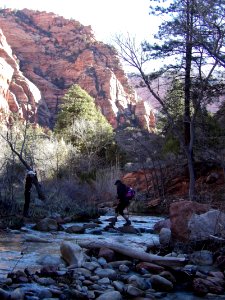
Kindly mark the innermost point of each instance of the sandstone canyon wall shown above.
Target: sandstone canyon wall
(17, 93)
(55, 53)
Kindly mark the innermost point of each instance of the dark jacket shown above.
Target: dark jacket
(121, 192)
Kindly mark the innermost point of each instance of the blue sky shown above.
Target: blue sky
(106, 17)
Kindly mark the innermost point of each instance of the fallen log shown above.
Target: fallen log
(134, 253)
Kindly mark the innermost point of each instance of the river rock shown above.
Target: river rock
(168, 275)
(50, 260)
(106, 253)
(113, 295)
(165, 237)
(111, 274)
(202, 286)
(128, 229)
(204, 225)
(72, 253)
(161, 284)
(180, 214)
(202, 258)
(162, 224)
(138, 282)
(47, 224)
(119, 286)
(133, 291)
(152, 268)
(91, 266)
(35, 239)
(124, 269)
(75, 229)
(82, 271)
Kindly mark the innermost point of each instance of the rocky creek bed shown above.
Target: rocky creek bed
(61, 260)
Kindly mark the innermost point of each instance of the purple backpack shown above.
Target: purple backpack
(130, 193)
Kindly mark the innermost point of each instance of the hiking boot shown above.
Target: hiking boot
(128, 222)
(113, 222)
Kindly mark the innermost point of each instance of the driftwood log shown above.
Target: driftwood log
(134, 253)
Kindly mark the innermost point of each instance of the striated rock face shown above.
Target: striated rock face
(55, 53)
(17, 93)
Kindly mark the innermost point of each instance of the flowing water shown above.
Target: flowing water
(23, 248)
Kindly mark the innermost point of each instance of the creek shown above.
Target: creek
(23, 248)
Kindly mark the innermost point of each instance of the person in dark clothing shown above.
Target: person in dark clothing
(28, 185)
(123, 202)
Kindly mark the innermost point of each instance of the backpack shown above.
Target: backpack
(130, 193)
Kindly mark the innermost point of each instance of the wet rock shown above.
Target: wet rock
(75, 229)
(5, 281)
(203, 258)
(106, 253)
(124, 269)
(113, 295)
(162, 224)
(96, 232)
(49, 271)
(91, 266)
(46, 281)
(119, 286)
(169, 276)
(82, 271)
(102, 261)
(165, 236)
(210, 284)
(133, 291)
(75, 294)
(152, 268)
(160, 283)
(72, 253)
(180, 214)
(116, 264)
(87, 282)
(50, 260)
(200, 287)
(128, 229)
(31, 290)
(204, 225)
(220, 261)
(138, 282)
(18, 277)
(47, 224)
(35, 239)
(104, 281)
(216, 274)
(90, 225)
(111, 274)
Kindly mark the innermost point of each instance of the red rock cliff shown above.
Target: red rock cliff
(55, 53)
(17, 93)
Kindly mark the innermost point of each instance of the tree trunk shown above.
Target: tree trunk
(191, 177)
(133, 253)
(38, 187)
(188, 133)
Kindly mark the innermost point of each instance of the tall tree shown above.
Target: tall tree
(179, 45)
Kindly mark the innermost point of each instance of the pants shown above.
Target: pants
(121, 206)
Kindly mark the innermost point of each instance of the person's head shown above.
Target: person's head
(118, 182)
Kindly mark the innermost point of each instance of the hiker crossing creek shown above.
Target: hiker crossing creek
(26, 247)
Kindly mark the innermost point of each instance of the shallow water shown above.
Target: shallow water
(16, 252)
